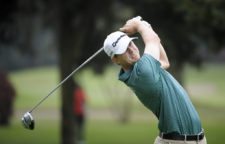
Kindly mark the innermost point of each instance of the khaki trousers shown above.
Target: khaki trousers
(159, 140)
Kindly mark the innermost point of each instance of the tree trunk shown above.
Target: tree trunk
(74, 30)
(66, 55)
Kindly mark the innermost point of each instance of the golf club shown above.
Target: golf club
(27, 119)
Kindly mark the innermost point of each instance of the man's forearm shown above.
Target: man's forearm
(150, 38)
(147, 33)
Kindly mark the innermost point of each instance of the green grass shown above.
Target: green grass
(206, 85)
(215, 132)
(46, 132)
(105, 92)
(34, 84)
(110, 132)
(99, 132)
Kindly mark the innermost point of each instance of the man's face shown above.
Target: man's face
(129, 57)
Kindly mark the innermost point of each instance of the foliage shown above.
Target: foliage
(7, 9)
(205, 19)
(184, 26)
(187, 28)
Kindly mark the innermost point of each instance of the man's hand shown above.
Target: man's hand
(131, 26)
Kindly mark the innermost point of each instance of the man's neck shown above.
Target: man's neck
(126, 67)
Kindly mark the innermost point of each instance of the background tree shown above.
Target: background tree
(79, 36)
(7, 13)
(205, 20)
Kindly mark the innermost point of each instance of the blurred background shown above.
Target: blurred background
(43, 41)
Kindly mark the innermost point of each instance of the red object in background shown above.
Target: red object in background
(79, 101)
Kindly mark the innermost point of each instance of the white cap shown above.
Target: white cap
(116, 43)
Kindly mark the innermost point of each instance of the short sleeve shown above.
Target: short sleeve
(148, 68)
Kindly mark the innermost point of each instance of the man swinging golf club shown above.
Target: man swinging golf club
(154, 86)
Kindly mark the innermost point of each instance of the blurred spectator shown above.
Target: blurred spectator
(79, 112)
(7, 96)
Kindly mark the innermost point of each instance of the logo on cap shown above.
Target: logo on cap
(115, 43)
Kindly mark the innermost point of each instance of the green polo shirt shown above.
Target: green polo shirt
(163, 95)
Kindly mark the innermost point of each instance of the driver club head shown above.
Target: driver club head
(28, 121)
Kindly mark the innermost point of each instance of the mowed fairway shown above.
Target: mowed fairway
(206, 88)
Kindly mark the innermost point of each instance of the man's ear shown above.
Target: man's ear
(114, 59)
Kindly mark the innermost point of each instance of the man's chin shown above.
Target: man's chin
(136, 58)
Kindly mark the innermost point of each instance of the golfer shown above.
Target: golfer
(153, 85)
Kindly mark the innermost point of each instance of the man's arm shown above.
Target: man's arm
(150, 38)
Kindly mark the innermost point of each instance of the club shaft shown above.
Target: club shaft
(63, 81)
